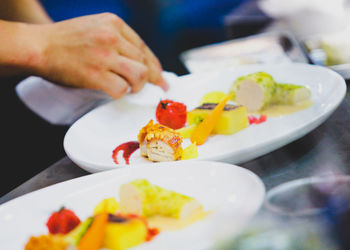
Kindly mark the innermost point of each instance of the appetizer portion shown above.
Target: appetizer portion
(253, 91)
(145, 199)
(290, 94)
(157, 143)
(124, 231)
(120, 225)
(205, 128)
(250, 101)
(214, 118)
(160, 143)
(45, 242)
(233, 118)
(259, 90)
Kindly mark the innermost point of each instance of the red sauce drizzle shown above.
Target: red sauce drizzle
(152, 232)
(128, 148)
(257, 120)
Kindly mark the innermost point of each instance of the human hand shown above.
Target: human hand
(98, 52)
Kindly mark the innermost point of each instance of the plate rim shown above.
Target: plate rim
(137, 166)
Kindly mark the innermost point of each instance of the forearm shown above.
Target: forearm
(20, 50)
(28, 11)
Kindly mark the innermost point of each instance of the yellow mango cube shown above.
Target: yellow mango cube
(233, 119)
(122, 233)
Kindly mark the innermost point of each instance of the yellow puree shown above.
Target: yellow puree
(169, 224)
(279, 110)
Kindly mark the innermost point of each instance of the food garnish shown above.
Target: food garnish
(74, 236)
(186, 132)
(108, 205)
(190, 152)
(128, 148)
(171, 114)
(257, 120)
(213, 97)
(62, 221)
(204, 129)
(93, 238)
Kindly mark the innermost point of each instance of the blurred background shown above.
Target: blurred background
(170, 27)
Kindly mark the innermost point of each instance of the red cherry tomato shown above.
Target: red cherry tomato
(171, 114)
(62, 221)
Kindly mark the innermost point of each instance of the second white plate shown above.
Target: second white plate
(90, 141)
(231, 194)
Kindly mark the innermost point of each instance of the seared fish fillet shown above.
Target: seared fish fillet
(160, 143)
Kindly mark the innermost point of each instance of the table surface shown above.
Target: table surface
(325, 150)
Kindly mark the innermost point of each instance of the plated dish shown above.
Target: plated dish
(92, 139)
(256, 93)
(138, 203)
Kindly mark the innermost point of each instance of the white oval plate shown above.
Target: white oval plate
(90, 141)
(232, 193)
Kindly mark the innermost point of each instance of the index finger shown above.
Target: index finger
(151, 61)
(154, 70)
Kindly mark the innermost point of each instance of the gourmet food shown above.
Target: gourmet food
(171, 114)
(258, 90)
(213, 97)
(62, 221)
(108, 205)
(233, 118)
(250, 101)
(124, 232)
(160, 143)
(119, 225)
(205, 128)
(190, 152)
(253, 91)
(145, 199)
(45, 242)
(290, 94)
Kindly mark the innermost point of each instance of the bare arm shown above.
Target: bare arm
(18, 48)
(28, 11)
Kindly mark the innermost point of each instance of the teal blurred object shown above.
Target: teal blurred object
(267, 232)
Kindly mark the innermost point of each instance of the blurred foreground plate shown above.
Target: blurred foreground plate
(232, 193)
(89, 142)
